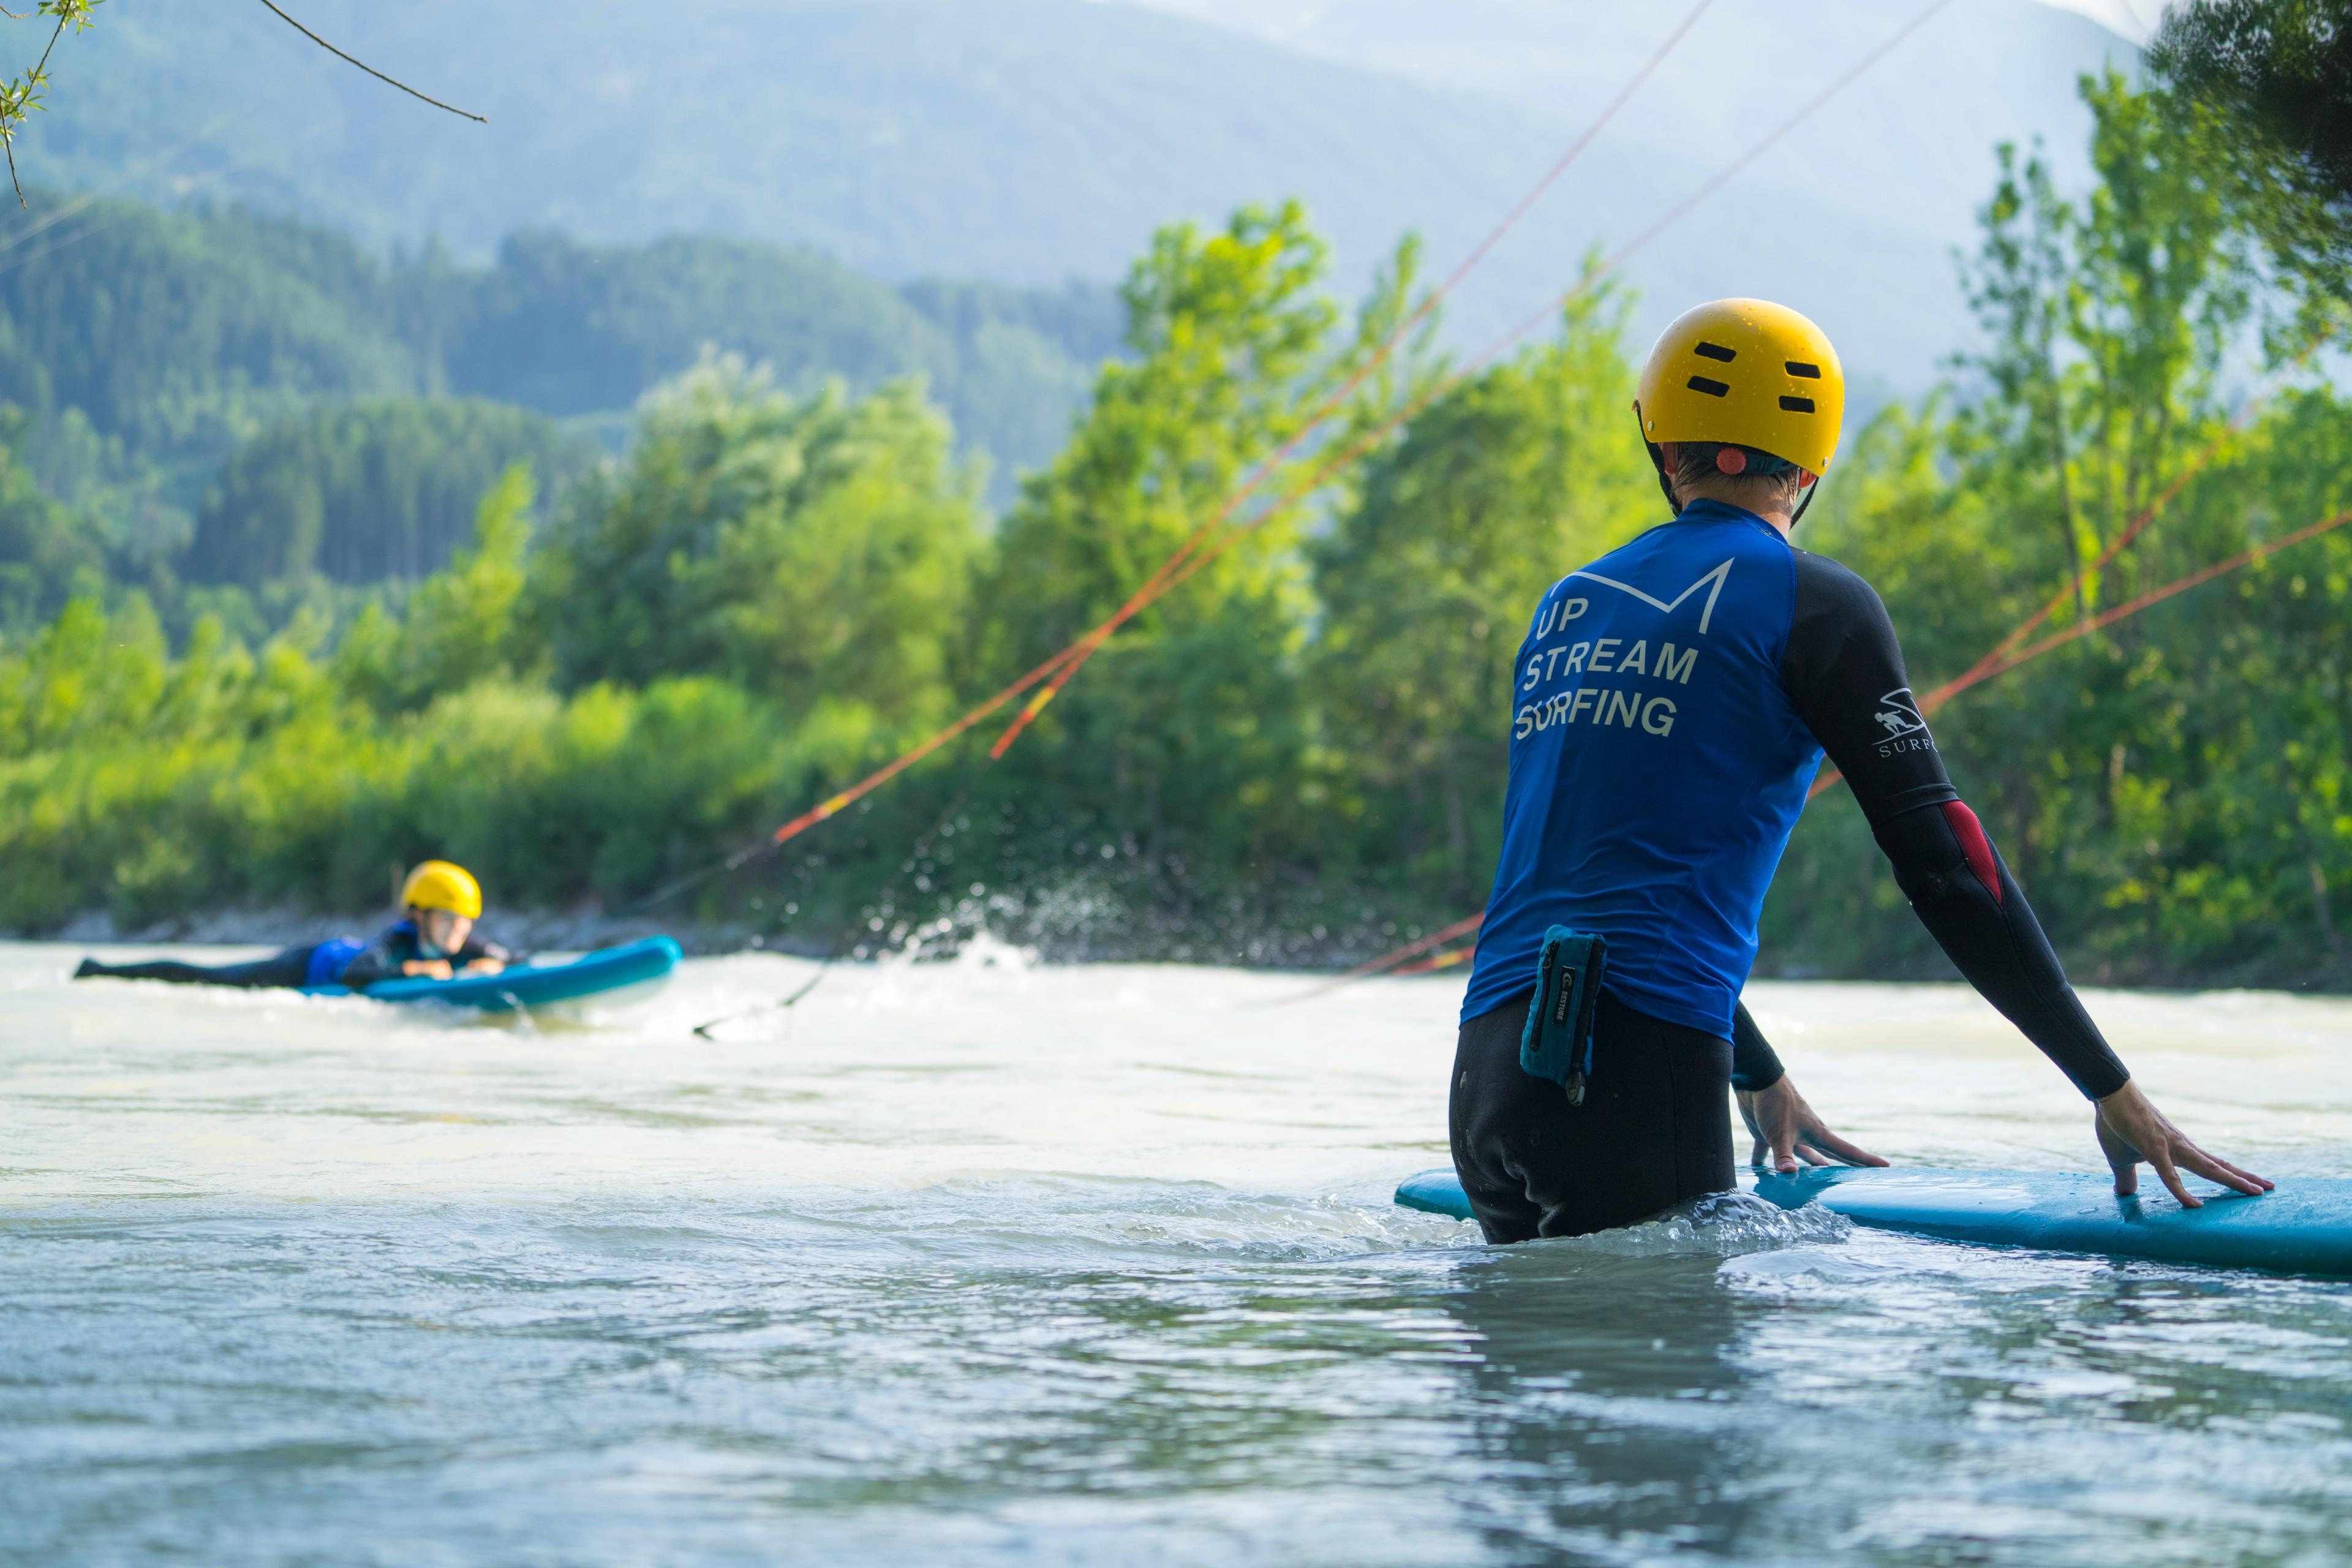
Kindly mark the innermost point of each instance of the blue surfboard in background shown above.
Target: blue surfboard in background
(527, 985)
(2304, 1228)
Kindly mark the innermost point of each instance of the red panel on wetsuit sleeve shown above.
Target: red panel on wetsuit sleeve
(1974, 845)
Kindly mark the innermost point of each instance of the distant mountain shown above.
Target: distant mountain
(147, 347)
(1864, 203)
(1029, 141)
(1909, 141)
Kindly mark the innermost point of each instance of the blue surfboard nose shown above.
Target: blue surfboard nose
(2304, 1228)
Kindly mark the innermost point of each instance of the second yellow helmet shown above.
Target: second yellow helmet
(438, 885)
(1749, 373)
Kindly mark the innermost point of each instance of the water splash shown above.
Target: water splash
(1721, 1224)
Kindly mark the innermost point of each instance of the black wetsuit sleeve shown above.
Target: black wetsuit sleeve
(1962, 891)
(476, 947)
(381, 960)
(384, 956)
(1844, 670)
(1754, 1064)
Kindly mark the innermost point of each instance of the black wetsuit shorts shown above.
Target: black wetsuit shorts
(1654, 1128)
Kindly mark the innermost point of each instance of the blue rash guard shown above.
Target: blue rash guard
(1672, 704)
(1657, 768)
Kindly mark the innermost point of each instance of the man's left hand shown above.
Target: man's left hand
(1789, 1130)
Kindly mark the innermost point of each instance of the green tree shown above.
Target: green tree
(367, 491)
(1426, 583)
(2263, 89)
(21, 95)
(2108, 323)
(2279, 67)
(46, 553)
(813, 550)
(2120, 774)
(1190, 734)
(460, 628)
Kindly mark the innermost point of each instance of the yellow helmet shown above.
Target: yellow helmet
(1746, 373)
(438, 885)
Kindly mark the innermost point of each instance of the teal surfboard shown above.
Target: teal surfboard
(527, 985)
(2304, 1228)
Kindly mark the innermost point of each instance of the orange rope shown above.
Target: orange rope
(1446, 960)
(1190, 559)
(2123, 541)
(1950, 689)
(1365, 971)
(1185, 563)
(1157, 581)
(2004, 657)
(2158, 595)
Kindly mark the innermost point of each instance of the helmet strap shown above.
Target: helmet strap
(1798, 516)
(1657, 461)
(1666, 485)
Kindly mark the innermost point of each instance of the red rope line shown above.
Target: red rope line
(2057, 639)
(2123, 541)
(1157, 581)
(1190, 559)
(1437, 937)
(2156, 595)
(1077, 652)
(1446, 960)
(1184, 567)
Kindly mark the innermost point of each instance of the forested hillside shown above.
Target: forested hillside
(179, 374)
(1032, 142)
(361, 492)
(1297, 751)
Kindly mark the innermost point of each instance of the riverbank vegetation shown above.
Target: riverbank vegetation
(1297, 754)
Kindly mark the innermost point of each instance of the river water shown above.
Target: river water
(986, 1262)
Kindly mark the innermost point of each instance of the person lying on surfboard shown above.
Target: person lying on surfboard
(434, 939)
(1673, 702)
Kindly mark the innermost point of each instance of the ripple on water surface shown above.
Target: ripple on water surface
(1014, 1264)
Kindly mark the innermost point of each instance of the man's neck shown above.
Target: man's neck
(1686, 494)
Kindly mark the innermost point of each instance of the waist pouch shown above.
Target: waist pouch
(1557, 1041)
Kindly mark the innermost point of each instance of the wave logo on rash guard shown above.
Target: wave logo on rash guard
(1646, 708)
(1906, 729)
(1720, 576)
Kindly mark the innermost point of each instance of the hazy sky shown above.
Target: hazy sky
(2135, 19)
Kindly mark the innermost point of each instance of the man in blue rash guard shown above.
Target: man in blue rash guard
(1673, 701)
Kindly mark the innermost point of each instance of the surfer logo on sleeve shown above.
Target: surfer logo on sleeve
(1906, 730)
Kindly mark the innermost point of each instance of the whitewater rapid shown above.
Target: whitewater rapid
(992, 1261)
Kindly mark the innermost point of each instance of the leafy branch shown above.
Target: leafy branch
(21, 96)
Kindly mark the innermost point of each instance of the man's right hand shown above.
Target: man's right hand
(2131, 1130)
(1788, 1130)
(427, 968)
